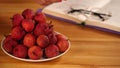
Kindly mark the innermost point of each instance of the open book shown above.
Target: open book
(61, 11)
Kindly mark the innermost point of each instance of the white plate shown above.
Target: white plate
(30, 60)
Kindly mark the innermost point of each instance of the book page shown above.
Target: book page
(114, 22)
(65, 6)
(114, 8)
(83, 4)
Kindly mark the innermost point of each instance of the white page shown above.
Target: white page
(113, 22)
(79, 4)
(114, 8)
(65, 6)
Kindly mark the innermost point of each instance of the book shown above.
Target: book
(99, 14)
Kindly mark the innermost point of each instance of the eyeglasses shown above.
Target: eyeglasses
(102, 16)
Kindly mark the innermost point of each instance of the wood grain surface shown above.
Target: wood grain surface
(90, 48)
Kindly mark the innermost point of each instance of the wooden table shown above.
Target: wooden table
(90, 48)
